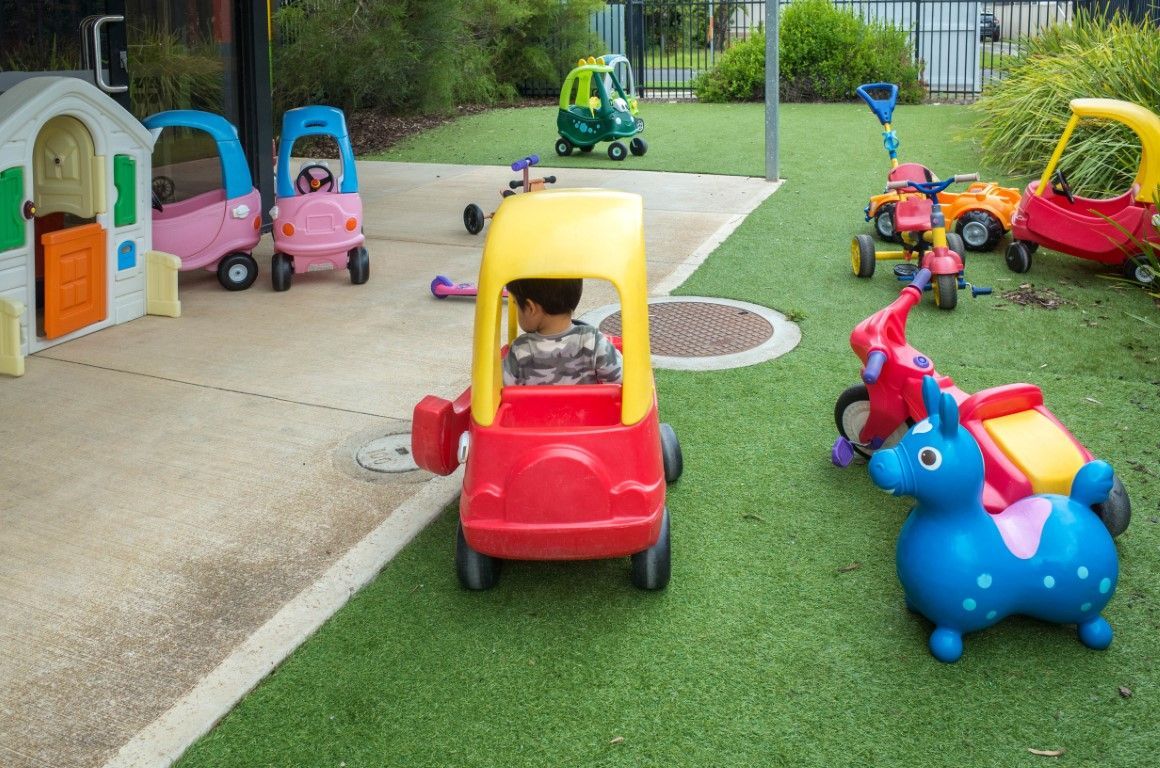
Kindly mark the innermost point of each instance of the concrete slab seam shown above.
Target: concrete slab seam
(163, 741)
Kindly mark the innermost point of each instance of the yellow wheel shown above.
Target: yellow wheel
(862, 258)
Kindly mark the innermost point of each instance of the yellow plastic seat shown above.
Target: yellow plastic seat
(1034, 443)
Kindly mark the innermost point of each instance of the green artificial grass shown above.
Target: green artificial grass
(782, 639)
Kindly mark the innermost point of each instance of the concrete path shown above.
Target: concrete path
(181, 504)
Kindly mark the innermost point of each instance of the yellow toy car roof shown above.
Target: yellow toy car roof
(566, 233)
(1144, 123)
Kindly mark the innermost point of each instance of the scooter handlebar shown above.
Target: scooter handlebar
(921, 279)
(526, 162)
(873, 368)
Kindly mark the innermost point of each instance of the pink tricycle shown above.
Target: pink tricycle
(215, 221)
(1026, 449)
(318, 217)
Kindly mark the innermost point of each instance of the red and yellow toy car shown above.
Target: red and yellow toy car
(556, 472)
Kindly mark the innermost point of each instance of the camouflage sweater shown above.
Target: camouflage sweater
(579, 355)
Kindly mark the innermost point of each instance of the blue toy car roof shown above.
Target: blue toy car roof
(235, 170)
(314, 120)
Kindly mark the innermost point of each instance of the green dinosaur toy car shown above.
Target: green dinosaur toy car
(591, 112)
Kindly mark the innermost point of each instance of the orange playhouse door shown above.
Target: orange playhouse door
(74, 279)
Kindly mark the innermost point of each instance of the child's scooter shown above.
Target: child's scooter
(921, 223)
(473, 216)
(1025, 448)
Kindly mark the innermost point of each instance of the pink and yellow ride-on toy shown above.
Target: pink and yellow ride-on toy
(318, 217)
(214, 220)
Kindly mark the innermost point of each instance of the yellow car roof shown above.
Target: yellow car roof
(1144, 123)
(565, 233)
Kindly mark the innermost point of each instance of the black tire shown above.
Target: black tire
(617, 151)
(851, 413)
(281, 271)
(946, 291)
(671, 454)
(980, 230)
(638, 146)
(563, 147)
(884, 224)
(956, 244)
(862, 257)
(588, 148)
(1018, 257)
(473, 218)
(1116, 511)
(237, 272)
(652, 568)
(639, 125)
(358, 261)
(476, 570)
(1139, 269)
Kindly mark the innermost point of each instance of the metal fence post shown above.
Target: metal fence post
(772, 90)
(634, 33)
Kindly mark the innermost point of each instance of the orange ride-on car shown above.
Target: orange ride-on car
(981, 215)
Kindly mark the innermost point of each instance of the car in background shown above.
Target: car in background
(989, 27)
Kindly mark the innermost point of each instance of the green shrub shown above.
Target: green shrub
(1025, 114)
(825, 53)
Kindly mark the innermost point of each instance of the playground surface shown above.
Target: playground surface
(183, 504)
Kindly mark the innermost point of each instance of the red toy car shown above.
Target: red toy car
(1111, 231)
(557, 472)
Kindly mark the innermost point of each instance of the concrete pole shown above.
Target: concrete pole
(772, 16)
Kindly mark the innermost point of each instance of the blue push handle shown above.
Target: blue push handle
(873, 367)
(527, 162)
(883, 109)
(921, 279)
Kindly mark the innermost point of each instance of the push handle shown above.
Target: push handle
(873, 368)
(526, 162)
(883, 109)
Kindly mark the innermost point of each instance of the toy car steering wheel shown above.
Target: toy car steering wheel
(1059, 186)
(157, 206)
(315, 177)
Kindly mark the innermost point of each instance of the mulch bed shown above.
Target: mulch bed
(1028, 295)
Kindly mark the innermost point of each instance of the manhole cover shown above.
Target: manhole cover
(698, 329)
(390, 453)
(698, 333)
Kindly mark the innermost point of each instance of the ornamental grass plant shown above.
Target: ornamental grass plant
(1091, 57)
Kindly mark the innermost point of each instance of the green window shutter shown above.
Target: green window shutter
(125, 180)
(12, 223)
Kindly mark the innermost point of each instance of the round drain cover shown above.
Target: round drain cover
(390, 453)
(698, 329)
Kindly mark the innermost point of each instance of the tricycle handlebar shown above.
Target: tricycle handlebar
(932, 187)
(873, 368)
(921, 279)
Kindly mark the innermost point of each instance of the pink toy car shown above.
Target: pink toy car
(318, 218)
(214, 229)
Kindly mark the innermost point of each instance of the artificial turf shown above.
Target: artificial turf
(782, 638)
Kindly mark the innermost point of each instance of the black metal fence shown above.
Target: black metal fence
(962, 44)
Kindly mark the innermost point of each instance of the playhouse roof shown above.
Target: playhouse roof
(37, 96)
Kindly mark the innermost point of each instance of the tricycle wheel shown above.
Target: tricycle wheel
(588, 148)
(671, 454)
(1116, 511)
(651, 568)
(281, 271)
(563, 147)
(980, 230)
(1018, 257)
(1139, 269)
(358, 261)
(617, 151)
(476, 570)
(851, 413)
(237, 272)
(956, 244)
(638, 146)
(862, 256)
(473, 218)
(946, 291)
(884, 224)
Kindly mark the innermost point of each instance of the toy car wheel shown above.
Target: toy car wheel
(563, 147)
(980, 230)
(651, 568)
(281, 271)
(473, 218)
(237, 272)
(851, 413)
(946, 291)
(638, 146)
(358, 261)
(1018, 257)
(671, 454)
(588, 148)
(1137, 268)
(956, 244)
(884, 224)
(440, 281)
(1116, 510)
(862, 257)
(617, 151)
(476, 570)
(639, 125)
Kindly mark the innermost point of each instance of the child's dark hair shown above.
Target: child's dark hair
(557, 296)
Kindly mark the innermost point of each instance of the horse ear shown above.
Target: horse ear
(930, 393)
(948, 413)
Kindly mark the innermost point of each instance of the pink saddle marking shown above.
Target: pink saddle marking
(1021, 525)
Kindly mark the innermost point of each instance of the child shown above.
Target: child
(554, 349)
